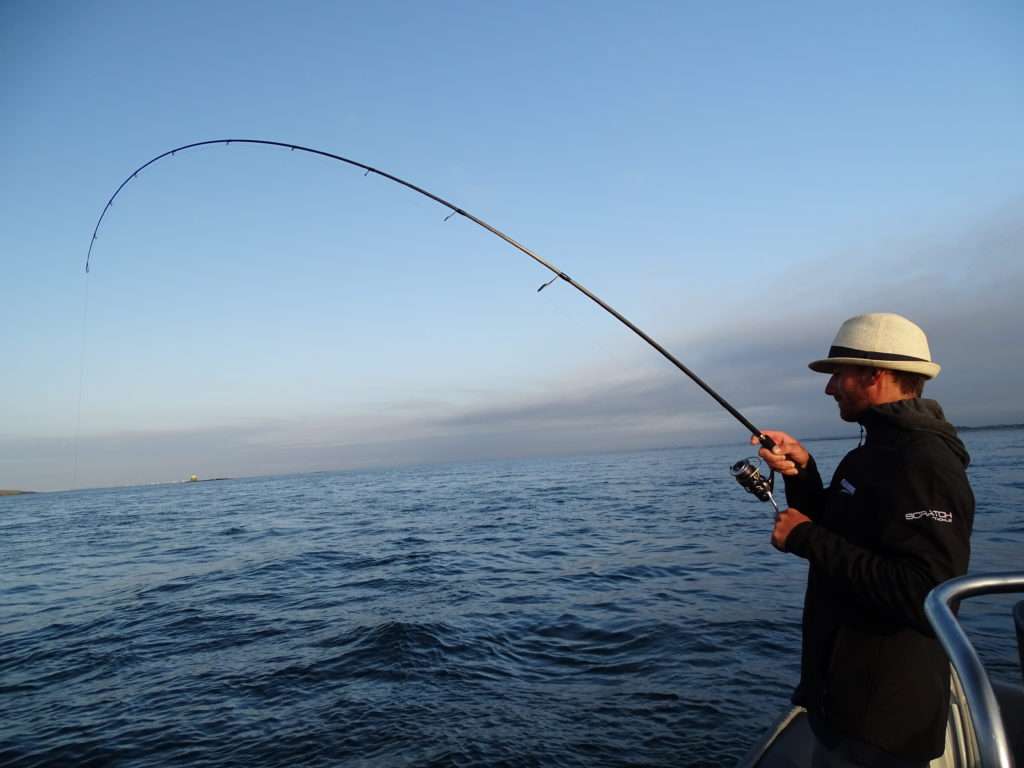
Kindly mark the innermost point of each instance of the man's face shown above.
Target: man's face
(849, 386)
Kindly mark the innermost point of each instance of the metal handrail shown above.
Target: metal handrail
(993, 745)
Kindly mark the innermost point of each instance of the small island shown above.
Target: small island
(13, 493)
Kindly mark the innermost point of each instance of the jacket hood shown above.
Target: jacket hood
(917, 415)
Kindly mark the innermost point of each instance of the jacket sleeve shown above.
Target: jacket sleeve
(805, 491)
(923, 529)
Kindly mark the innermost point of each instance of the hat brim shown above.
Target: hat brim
(828, 365)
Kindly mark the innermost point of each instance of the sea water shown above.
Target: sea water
(605, 610)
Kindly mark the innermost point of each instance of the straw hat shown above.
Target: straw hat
(880, 340)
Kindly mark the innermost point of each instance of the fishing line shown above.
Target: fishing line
(81, 384)
(559, 274)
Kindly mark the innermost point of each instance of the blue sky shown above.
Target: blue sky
(736, 178)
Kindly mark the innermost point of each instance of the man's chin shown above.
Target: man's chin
(845, 414)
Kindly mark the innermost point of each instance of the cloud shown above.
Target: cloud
(962, 286)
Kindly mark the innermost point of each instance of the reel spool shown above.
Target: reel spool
(749, 476)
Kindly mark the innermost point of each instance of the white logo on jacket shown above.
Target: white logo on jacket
(935, 514)
(847, 487)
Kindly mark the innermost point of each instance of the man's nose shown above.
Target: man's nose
(830, 388)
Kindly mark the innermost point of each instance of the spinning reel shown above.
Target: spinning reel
(749, 476)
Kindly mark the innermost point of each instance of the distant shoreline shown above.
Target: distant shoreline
(822, 438)
(991, 427)
(987, 428)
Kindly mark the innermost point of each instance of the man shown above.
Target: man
(894, 522)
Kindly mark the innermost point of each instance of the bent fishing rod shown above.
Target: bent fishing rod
(765, 441)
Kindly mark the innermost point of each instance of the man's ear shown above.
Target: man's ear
(873, 376)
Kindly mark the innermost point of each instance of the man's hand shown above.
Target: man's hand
(788, 457)
(785, 522)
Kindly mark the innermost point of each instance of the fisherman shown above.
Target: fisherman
(894, 522)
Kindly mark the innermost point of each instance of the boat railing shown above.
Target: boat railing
(993, 745)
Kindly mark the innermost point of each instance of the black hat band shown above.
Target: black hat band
(850, 352)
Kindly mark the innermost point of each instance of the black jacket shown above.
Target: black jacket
(895, 522)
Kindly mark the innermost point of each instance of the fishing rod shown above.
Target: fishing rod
(765, 441)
